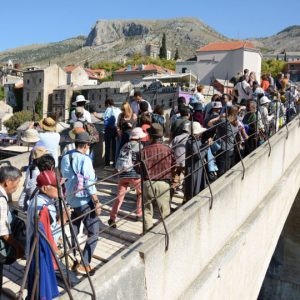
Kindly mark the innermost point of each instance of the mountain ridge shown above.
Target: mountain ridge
(120, 39)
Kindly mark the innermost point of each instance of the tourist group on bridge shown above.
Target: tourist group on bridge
(159, 155)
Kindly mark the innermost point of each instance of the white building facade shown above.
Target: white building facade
(223, 61)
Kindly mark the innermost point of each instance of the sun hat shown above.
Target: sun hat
(216, 104)
(38, 152)
(47, 177)
(137, 133)
(156, 130)
(30, 136)
(197, 128)
(74, 131)
(83, 137)
(264, 100)
(48, 124)
(80, 98)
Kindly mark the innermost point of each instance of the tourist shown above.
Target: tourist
(44, 197)
(9, 180)
(111, 116)
(82, 197)
(126, 122)
(265, 83)
(128, 177)
(250, 120)
(243, 91)
(49, 138)
(159, 161)
(178, 146)
(198, 96)
(32, 173)
(285, 81)
(175, 114)
(135, 105)
(158, 116)
(198, 115)
(264, 112)
(216, 107)
(176, 128)
(278, 81)
(226, 131)
(82, 114)
(144, 111)
(195, 153)
(146, 123)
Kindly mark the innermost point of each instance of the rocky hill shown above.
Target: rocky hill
(120, 39)
(287, 39)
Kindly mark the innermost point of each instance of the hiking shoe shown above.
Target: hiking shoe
(112, 223)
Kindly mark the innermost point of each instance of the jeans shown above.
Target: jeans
(110, 135)
(124, 183)
(92, 224)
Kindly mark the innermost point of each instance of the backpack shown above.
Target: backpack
(124, 161)
(91, 129)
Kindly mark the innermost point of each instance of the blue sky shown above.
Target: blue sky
(31, 21)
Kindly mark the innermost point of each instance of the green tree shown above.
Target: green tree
(38, 108)
(86, 64)
(17, 119)
(176, 56)
(1, 93)
(272, 66)
(163, 48)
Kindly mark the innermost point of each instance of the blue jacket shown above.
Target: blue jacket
(79, 176)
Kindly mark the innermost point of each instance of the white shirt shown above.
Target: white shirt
(4, 223)
(136, 107)
(244, 90)
(199, 97)
(86, 116)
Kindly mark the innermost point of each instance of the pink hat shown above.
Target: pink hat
(137, 133)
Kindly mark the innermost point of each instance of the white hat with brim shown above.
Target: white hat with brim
(198, 129)
(137, 133)
(264, 100)
(80, 98)
(30, 136)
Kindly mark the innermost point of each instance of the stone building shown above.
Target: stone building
(39, 85)
(293, 68)
(61, 102)
(77, 75)
(116, 90)
(138, 72)
(222, 60)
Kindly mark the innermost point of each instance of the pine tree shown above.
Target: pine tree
(163, 48)
(176, 56)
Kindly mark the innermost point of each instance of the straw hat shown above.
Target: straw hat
(30, 136)
(48, 124)
(38, 152)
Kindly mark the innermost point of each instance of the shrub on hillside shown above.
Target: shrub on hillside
(17, 119)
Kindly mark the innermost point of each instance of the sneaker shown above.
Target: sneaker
(112, 223)
(81, 269)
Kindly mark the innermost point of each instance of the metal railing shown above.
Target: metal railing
(230, 145)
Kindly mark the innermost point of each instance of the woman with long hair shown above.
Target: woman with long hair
(126, 122)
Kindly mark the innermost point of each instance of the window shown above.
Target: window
(40, 96)
(40, 80)
(99, 105)
(183, 70)
(27, 97)
(170, 102)
(93, 97)
(155, 101)
(28, 81)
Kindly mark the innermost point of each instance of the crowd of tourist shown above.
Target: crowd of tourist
(156, 156)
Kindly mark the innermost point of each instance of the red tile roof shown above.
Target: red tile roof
(70, 68)
(226, 46)
(293, 62)
(151, 67)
